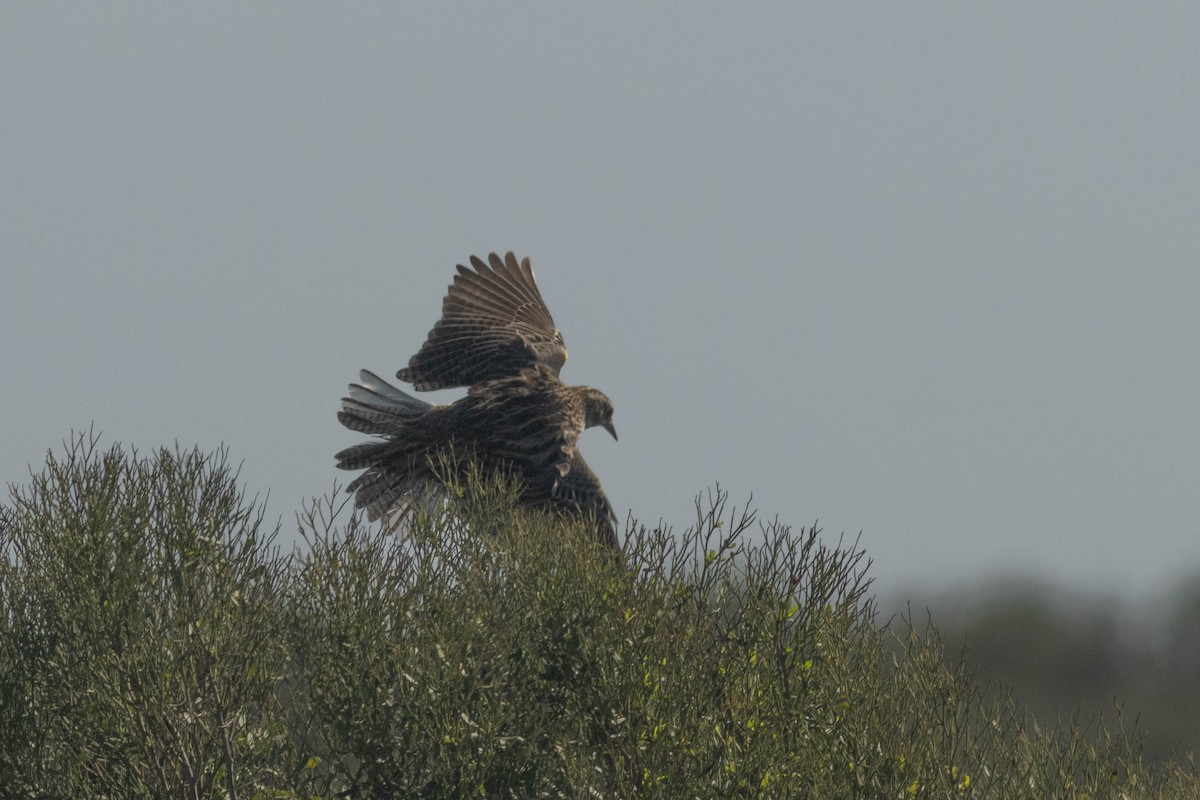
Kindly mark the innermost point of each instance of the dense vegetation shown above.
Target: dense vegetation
(1070, 652)
(155, 642)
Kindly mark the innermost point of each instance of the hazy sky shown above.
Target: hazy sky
(927, 271)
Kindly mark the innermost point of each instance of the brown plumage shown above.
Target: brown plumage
(494, 324)
(497, 337)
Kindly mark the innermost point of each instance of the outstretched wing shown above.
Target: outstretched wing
(494, 324)
(579, 493)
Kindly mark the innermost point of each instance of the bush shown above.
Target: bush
(140, 630)
(153, 643)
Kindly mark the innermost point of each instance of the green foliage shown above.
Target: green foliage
(1067, 651)
(140, 636)
(154, 644)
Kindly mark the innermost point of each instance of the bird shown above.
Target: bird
(497, 338)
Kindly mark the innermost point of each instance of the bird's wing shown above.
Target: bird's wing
(579, 493)
(494, 324)
(530, 419)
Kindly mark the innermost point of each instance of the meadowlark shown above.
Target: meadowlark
(497, 338)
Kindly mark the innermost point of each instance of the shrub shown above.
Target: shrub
(140, 635)
(154, 643)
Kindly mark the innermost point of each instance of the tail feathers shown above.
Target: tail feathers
(396, 480)
(361, 456)
(382, 492)
(367, 419)
(375, 406)
(374, 391)
(376, 485)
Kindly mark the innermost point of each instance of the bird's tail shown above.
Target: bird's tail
(375, 406)
(394, 482)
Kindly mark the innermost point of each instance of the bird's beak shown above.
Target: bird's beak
(608, 426)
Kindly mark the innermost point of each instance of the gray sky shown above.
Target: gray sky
(927, 271)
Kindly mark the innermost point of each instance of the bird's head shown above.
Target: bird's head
(598, 410)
